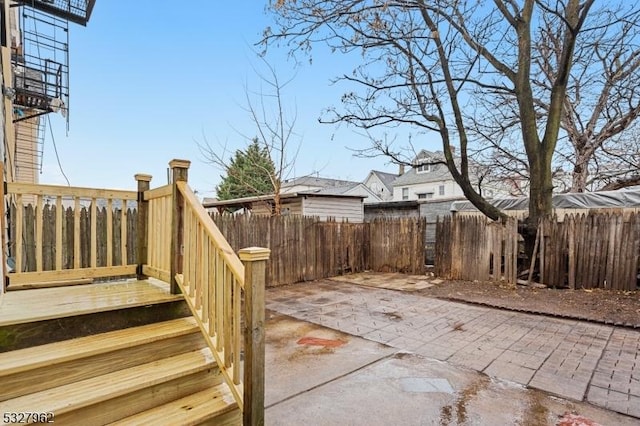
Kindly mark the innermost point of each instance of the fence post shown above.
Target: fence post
(255, 266)
(179, 172)
(143, 215)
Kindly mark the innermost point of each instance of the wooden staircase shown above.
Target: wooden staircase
(181, 345)
(156, 373)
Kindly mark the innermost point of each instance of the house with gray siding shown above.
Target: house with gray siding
(430, 179)
(381, 184)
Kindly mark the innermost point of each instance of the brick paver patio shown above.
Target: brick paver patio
(571, 359)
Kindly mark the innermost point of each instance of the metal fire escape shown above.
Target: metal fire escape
(40, 60)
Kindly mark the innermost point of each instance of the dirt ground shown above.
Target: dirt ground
(605, 306)
(612, 307)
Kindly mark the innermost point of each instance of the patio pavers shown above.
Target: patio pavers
(567, 358)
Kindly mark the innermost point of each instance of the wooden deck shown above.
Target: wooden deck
(18, 307)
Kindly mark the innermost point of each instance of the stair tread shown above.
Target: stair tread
(61, 302)
(190, 410)
(66, 398)
(67, 350)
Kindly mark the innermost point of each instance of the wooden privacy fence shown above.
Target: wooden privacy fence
(473, 248)
(70, 233)
(590, 251)
(305, 249)
(397, 245)
(598, 250)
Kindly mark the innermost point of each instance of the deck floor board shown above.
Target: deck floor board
(24, 306)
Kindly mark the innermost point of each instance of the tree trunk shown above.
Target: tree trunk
(579, 175)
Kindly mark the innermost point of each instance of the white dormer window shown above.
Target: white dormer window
(423, 168)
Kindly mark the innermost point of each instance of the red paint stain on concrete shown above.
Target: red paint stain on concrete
(317, 341)
(570, 419)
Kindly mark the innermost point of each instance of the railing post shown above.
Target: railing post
(179, 172)
(143, 216)
(255, 266)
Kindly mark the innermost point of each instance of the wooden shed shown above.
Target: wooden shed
(323, 206)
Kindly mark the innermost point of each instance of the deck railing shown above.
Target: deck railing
(216, 284)
(60, 242)
(156, 212)
(175, 241)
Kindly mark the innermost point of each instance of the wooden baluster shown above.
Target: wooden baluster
(39, 212)
(221, 271)
(255, 262)
(59, 210)
(206, 244)
(228, 338)
(76, 233)
(213, 272)
(18, 236)
(109, 232)
(197, 278)
(237, 332)
(124, 218)
(94, 233)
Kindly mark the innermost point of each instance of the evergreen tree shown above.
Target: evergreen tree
(251, 172)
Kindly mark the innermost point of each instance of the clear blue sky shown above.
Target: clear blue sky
(149, 80)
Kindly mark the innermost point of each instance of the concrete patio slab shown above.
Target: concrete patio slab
(567, 358)
(332, 355)
(360, 382)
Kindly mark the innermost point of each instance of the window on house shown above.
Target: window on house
(425, 196)
(405, 193)
(441, 190)
(423, 168)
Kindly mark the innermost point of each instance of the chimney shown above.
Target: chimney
(400, 169)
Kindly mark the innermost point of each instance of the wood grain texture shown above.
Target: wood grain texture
(71, 274)
(49, 303)
(69, 397)
(194, 409)
(105, 355)
(68, 191)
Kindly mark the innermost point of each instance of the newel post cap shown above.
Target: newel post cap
(179, 164)
(252, 254)
(142, 177)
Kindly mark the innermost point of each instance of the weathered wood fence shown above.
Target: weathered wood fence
(590, 251)
(581, 251)
(123, 226)
(305, 249)
(472, 248)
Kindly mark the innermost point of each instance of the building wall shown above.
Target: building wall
(362, 191)
(451, 190)
(6, 128)
(26, 154)
(294, 206)
(371, 212)
(376, 186)
(431, 210)
(351, 209)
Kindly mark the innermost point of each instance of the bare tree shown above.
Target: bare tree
(444, 66)
(274, 125)
(602, 98)
(601, 105)
(616, 164)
